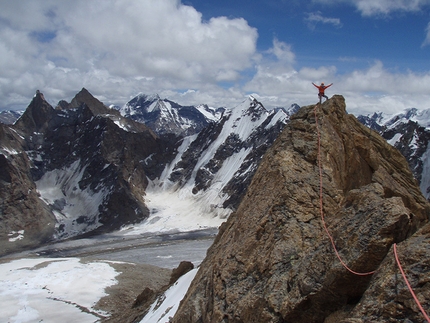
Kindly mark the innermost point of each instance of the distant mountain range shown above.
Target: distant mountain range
(408, 131)
(82, 168)
(9, 116)
(167, 117)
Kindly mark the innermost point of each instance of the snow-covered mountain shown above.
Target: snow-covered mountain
(409, 132)
(89, 170)
(216, 165)
(9, 116)
(167, 117)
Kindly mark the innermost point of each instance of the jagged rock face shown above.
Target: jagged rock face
(388, 299)
(90, 165)
(272, 260)
(25, 221)
(412, 144)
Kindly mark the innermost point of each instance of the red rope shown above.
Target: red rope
(409, 285)
(321, 206)
(332, 240)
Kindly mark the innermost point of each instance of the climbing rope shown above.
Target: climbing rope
(409, 285)
(321, 205)
(332, 240)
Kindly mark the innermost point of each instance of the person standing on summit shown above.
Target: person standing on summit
(321, 90)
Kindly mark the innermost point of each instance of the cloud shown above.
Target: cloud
(116, 46)
(375, 7)
(427, 39)
(381, 7)
(366, 90)
(313, 18)
(278, 83)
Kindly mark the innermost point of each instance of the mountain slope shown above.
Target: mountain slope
(409, 132)
(215, 166)
(25, 221)
(272, 260)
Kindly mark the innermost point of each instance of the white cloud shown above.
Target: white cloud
(372, 7)
(371, 89)
(313, 18)
(427, 39)
(120, 46)
(384, 7)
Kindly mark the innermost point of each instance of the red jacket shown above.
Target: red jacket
(322, 87)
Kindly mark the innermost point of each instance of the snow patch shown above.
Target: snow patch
(121, 125)
(167, 305)
(395, 139)
(8, 151)
(16, 235)
(76, 210)
(53, 290)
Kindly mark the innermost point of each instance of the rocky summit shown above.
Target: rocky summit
(272, 261)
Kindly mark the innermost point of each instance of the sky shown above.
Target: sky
(375, 52)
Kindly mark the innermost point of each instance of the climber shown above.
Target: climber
(321, 90)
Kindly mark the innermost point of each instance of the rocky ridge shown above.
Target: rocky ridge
(272, 260)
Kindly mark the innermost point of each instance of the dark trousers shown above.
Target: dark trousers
(321, 95)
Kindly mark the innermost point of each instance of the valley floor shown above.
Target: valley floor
(93, 280)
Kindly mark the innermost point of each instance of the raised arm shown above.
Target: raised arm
(315, 85)
(329, 85)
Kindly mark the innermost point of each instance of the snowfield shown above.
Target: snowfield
(66, 290)
(53, 290)
(173, 211)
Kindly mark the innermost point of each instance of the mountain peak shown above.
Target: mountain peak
(367, 194)
(84, 97)
(165, 116)
(36, 114)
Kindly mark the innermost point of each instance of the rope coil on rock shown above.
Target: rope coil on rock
(332, 240)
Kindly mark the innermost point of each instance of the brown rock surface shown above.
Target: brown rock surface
(126, 301)
(272, 260)
(25, 221)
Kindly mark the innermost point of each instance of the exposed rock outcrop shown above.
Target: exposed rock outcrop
(25, 220)
(272, 260)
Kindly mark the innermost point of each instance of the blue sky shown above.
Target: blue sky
(339, 34)
(376, 52)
